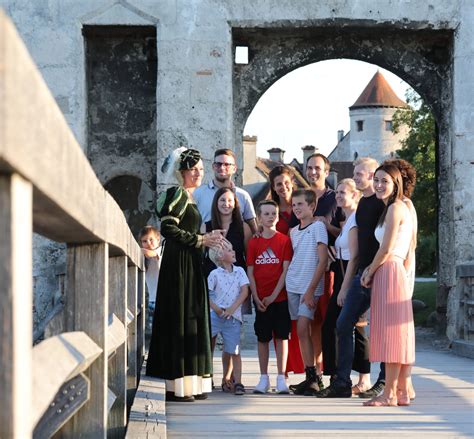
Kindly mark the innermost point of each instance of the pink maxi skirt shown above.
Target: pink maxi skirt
(392, 330)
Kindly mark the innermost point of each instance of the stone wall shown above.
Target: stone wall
(203, 99)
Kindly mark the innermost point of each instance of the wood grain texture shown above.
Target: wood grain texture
(15, 305)
(118, 285)
(87, 306)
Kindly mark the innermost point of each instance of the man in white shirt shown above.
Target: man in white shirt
(224, 168)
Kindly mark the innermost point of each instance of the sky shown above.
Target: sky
(310, 104)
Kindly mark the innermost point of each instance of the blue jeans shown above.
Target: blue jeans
(357, 303)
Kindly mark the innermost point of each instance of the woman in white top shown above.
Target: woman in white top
(408, 173)
(345, 266)
(392, 330)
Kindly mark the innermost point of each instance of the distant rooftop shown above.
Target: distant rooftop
(378, 93)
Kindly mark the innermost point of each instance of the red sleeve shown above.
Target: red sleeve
(250, 260)
(287, 250)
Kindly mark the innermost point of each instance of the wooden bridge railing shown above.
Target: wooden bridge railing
(75, 383)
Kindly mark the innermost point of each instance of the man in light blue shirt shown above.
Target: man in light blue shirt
(224, 168)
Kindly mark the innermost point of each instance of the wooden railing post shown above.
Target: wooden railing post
(133, 371)
(141, 321)
(15, 307)
(118, 364)
(87, 310)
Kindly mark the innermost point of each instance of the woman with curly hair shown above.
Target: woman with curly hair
(392, 330)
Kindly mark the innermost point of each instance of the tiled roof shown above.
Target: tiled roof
(378, 93)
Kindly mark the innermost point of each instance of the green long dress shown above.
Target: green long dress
(180, 346)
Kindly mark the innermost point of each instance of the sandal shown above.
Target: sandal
(239, 389)
(359, 388)
(381, 401)
(227, 386)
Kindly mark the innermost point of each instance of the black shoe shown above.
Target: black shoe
(374, 391)
(200, 397)
(319, 380)
(294, 387)
(335, 392)
(301, 388)
(171, 397)
(312, 389)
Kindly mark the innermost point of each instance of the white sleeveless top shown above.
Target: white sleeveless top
(342, 241)
(404, 235)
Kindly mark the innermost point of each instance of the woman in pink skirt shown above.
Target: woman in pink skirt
(392, 331)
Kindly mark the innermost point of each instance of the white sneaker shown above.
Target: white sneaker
(263, 385)
(281, 386)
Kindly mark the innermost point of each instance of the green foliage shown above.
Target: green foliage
(426, 254)
(425, 291)
(419, 149)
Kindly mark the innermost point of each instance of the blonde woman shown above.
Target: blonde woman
(345, 266)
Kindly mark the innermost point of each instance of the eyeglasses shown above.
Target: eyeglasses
(224, 165)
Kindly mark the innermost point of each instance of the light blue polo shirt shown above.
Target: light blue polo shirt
(204, 195)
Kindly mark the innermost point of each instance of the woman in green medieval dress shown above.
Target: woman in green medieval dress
(180, 346)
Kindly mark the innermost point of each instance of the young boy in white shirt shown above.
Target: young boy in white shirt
(305, 280)
(228, 289)
(149, 238)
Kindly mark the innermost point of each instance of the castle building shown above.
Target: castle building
(371, 122)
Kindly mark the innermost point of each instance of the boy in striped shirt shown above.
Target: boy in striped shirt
(305, 279)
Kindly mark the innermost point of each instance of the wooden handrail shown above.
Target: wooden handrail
(69, 203)
(48, 186)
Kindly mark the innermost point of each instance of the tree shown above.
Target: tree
(419, 148)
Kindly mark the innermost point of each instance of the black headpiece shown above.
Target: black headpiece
(188, 159)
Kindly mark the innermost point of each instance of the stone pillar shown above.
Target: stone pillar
(462, 171)
(195, 61)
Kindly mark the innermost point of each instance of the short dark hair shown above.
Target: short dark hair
(266, 203)
(308, 194)
(146, 230)
(225, 151)
(327, 163)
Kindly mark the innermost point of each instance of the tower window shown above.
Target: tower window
(360, 125)
(388, 125)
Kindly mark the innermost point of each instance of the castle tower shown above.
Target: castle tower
(371, 121)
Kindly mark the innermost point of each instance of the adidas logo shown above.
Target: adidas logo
(267, 257)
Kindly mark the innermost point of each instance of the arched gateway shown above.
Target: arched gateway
(423, 58)
(202, 98)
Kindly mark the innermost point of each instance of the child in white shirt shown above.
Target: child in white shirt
(228, 289)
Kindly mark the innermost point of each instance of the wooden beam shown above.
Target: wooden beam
(133, 371)
(57, 360)
(118, 271)
(141, 318)
(70, 205)
(15, 304)
(87, 303)
(65, 404)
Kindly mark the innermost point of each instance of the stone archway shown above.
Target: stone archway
(135, 198)
(422, 57)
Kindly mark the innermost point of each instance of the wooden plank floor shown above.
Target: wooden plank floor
(444, 407)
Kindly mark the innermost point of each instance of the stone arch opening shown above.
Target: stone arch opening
(420, 56)
(135, 198)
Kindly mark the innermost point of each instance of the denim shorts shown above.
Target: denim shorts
(297, 309)
(229, 330)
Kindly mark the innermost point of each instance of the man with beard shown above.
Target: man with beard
(224, 168)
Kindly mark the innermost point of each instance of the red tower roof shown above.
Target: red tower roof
(378, 93)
